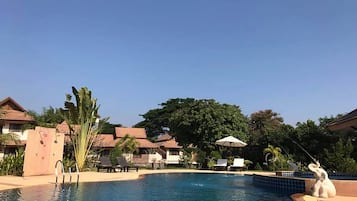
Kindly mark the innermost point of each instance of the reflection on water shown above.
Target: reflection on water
(168, 187)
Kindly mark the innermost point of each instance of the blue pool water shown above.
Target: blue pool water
(165, 187)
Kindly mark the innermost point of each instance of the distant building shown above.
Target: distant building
(12, 119)
(170, 150)
(346, 123)
(104, 143)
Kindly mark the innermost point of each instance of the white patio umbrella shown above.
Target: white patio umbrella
(231, 141)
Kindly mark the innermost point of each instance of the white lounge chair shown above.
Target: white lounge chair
(221, 164)
(238, 163)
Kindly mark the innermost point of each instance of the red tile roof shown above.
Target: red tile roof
(138, 133)
(164, 137)
(110, 140)
(16, 115)
(10, 104)
(167, 141)
(13, 111)
(63, 127)
(105, 140)
(145, 143)
(169, 144)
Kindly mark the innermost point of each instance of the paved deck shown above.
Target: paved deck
(11, 182)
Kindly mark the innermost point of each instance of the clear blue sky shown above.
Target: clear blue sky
(297, 58)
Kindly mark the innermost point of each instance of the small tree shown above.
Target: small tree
(82, 119)
(278, 160)
(126, 144)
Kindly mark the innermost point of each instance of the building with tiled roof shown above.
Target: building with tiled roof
(12, 119)
(106, 142)
(347, 122)
(138, 133)
(170, 150)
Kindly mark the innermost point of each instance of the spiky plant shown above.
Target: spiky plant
(82, 119)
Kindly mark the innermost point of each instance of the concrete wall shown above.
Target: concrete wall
(343, 187)
(44, 147)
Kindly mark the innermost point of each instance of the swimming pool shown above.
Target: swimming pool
(168, 187)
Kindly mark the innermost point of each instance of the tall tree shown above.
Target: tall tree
(109, 128)
(262, 123)
(202, 122)
(157, 120)
(83, 121)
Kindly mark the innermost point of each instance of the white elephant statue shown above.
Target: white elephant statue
(323, 186)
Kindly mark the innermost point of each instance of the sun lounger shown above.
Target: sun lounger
(105, 163)
(221, 164)
(238, 164)
(124, 166)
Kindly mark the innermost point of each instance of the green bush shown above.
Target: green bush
(114, 153)
(13, 164)
(215, 155)
(211, 162)
(339, 157)
(258, 167)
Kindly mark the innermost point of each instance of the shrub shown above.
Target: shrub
(13, 164)
(258, 167)
(339, 157)
(114, 153)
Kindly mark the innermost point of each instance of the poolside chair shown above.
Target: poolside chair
(238, 164)
(124, 166)
(221, 164)
(105, 163)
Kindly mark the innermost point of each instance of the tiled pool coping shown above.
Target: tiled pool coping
(280, 184)
(294, 185)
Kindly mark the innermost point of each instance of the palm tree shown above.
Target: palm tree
(128, 144)
(274, 151)
(278, 160)
(82, 119)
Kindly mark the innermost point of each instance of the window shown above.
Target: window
(174, 152)
(15, 127)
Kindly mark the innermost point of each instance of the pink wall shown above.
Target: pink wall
(43, 148)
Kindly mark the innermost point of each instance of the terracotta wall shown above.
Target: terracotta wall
(43, 148)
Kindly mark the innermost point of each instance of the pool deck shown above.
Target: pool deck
(11, 182)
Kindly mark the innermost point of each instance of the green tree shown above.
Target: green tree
(313, 138)
(261, 124)
(109, 128)
(202, 122)
(129, 144)
(278, 160)
(338, 157)
(82, 118)
(274, 151)
(49, 117)
(156, 120)
(126, 144)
